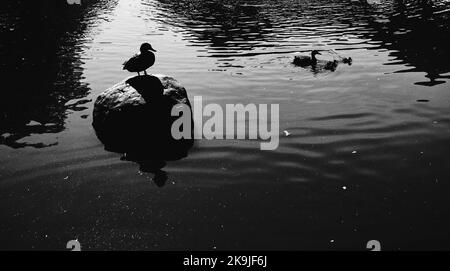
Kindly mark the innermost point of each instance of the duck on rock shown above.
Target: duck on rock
(141, 62)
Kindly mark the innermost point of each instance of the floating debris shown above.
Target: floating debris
(33, 123)
(286, 133)
(6, 135)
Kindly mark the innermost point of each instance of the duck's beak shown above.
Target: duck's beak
(151, 49)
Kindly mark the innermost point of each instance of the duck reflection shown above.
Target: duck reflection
(153, 166)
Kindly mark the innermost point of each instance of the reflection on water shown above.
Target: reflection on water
(417, 34)
(40, 48)
(43, 41)
(415, 31)
(365, 158)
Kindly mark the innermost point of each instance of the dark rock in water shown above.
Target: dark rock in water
(134, 117)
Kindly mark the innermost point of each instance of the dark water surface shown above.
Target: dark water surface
(366, 158)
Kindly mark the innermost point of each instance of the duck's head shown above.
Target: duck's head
(145, 47)
(314, 53)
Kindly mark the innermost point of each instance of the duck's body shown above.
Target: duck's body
(330, 65)
(141, 62)
(305, 61)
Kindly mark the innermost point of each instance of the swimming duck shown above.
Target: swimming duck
(141, 62)
(304, 61)
(347, 60)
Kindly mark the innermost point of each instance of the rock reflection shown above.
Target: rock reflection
(134, 117)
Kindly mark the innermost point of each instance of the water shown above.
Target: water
(366, 158)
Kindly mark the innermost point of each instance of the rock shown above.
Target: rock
(134, 117)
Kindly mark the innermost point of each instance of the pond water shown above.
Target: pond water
(366, 157)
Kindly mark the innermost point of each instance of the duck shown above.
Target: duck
(317, 65)
(304, 61)
(141, 62)
(345, 60)
(324, 66)
(331, 65)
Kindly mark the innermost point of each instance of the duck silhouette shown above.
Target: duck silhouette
(345, 60)
(317, 65)
(304, 61)
(141, 62)
(323, 66)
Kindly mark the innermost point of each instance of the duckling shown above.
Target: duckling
(304, 61)
(331, 65)
(324, 65)
(141, 62)
(345, 60)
